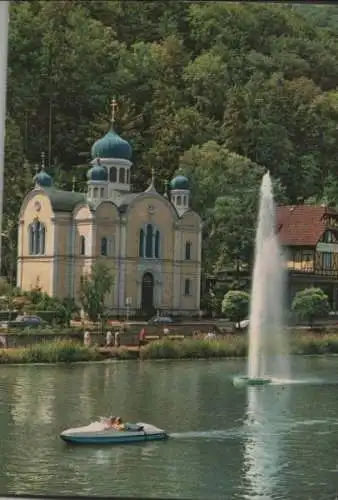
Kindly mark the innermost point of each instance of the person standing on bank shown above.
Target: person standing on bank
(117, 338)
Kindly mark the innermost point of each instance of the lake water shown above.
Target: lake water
(273, 442)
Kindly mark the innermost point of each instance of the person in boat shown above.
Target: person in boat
(110, 422)
(118, 424)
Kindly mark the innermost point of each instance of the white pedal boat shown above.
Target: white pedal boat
(97, 433)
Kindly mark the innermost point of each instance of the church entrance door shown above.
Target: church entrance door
(147, 302)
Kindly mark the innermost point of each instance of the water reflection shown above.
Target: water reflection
(266, 424)
(227, 443)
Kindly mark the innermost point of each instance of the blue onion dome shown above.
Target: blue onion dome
(112, 146)
(43, 179)
(180, 182)
(97, 173)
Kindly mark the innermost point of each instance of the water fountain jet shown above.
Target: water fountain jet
(268, 344)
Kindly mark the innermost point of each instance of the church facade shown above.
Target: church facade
(150, 241)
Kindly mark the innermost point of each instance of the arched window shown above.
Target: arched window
(178, 200)
(37, 238)
(187, 287)
(184, 200)
(157, 244)
(149, 241)
(82, 245)
(113, 174)
(42, 231)
(141, 244)
(104, 246)
(31, 239)
(122, 175)
(188, 250)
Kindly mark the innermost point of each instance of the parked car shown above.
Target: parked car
(242, 325)
(162, 320)
(24, 322)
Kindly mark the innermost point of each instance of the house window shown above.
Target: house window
(37, 238)
(307, 260)
(187, 287)
(122, 175)
(184, 200)
(102, 192)
(141, 244)
(188, 250)
(82, 245)
(96, 192)
(329, 237)
(149, 242)
(178, 200)
(128, 176)
(113, 174)
(104, 246)
(327, 260)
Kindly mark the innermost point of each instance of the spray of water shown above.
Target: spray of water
(268, 342)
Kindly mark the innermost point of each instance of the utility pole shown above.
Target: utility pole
(4, 22)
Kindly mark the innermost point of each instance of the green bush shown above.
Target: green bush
(235, 305)
(311, 304)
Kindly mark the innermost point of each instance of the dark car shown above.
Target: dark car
(24, 322)
(162, 320)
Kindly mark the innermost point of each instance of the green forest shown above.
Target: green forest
(222, 90)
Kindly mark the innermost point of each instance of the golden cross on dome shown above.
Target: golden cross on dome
(114, 107)
(42, 160)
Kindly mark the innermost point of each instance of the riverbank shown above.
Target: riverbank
(230, 346)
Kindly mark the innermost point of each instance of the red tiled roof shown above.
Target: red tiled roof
(300, 225)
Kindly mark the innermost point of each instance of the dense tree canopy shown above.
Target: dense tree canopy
(223, 90)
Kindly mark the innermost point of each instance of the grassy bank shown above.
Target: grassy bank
(231, 346)
(310, 343)
(235, 346)
(60, 351)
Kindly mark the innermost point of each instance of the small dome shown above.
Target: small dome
(43, 179)
(112, 146)
(97, 173)
(180, 182)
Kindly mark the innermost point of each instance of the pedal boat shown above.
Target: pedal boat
(97, 433)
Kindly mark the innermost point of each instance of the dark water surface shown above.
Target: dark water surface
(273, 442)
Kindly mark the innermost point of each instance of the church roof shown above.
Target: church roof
(64, 201)
(112, 146)
(126, 200)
